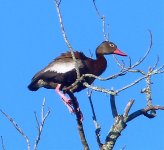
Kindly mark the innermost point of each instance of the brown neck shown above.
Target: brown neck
(100, 65)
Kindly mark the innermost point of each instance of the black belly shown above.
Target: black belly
(65, 79)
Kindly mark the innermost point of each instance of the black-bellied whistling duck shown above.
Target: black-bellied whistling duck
(61, 72)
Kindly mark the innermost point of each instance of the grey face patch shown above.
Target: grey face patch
(41, 82)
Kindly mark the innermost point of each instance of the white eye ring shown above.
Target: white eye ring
(112, 45)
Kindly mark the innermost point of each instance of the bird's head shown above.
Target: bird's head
(106, 48)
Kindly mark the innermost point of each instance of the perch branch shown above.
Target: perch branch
(104, 90)
(16, 126)
(123, 71)
(78, 119)
(99, 89)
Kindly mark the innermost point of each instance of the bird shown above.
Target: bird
(61, 72)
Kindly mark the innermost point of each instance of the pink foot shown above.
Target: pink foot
(65, 100)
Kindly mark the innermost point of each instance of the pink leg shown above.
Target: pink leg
(65, 100)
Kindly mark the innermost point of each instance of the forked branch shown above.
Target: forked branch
(18, 128)
(40, 126)
(120, 122)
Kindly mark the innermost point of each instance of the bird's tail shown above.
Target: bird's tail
(33, 86)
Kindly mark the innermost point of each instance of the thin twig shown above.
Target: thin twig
(138, 62)
(146, 75)
(16, 126)
(130, 85)
(102, 17)
(91, 104)
(3, 146)
(156, 64)
(37, 121)
(146, 54)
(59, 2)
(100, 89)
(128, 107)
(123, 147)
(123, 71)
(41, 125)
(71, 87)
(97, 126)
(113, 106)
(98, 13)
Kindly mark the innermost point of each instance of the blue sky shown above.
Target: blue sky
(30, 38)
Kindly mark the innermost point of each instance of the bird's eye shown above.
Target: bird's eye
(111, 45)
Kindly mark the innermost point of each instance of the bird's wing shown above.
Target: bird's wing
(60, 66)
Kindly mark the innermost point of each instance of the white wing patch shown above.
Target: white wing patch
(61, 67)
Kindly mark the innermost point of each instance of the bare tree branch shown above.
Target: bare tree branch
(127, 108)
(98, 13)
(120, 123)
(121, 73)
(130, 85)
(123, 148)
(59, 2)
(79, 117)
(156, 64)
(105, 34)
(99, 89)
(16, 126)
(41, 125)
(115, 132)
(65, 37)
(97, 126)
(113, 106)
(138, 62)
(3, 146)
(144, 112)
(37, 121)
